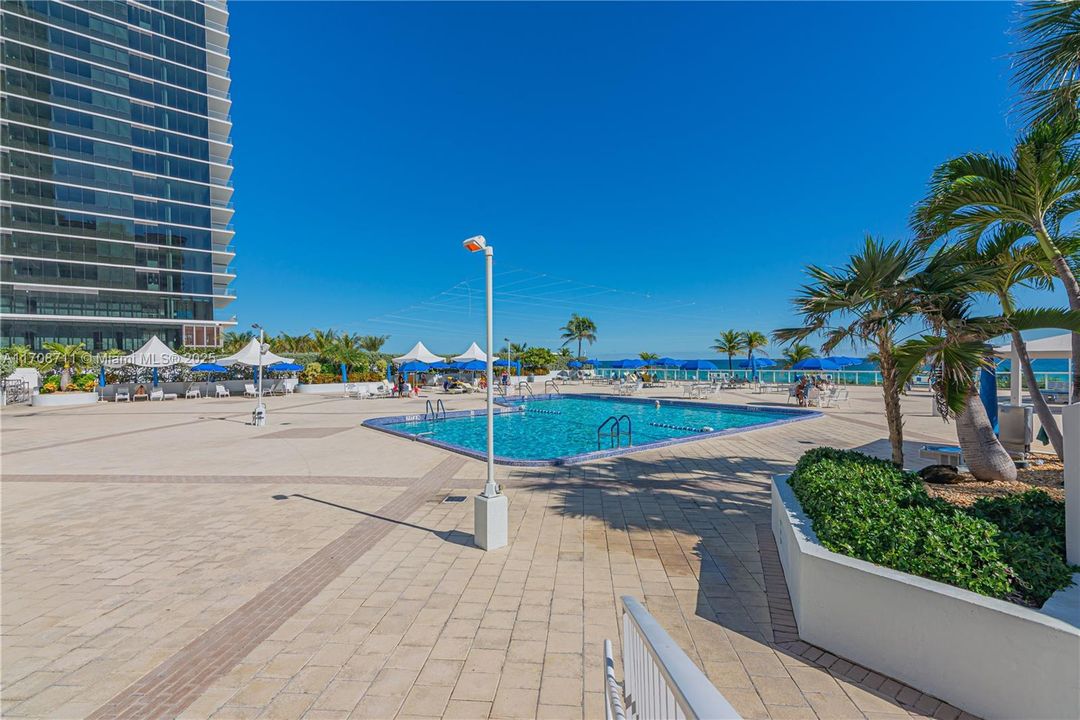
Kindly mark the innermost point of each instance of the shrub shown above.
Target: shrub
(867, 508)
(51, 384)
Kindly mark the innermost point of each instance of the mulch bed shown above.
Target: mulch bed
(1048, 476)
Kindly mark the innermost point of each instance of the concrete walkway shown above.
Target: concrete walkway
(170, 560)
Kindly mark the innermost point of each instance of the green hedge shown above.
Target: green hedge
(860, 506)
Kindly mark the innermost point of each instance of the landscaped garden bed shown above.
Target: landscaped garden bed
(1010, 547)
(1044, 472)
(939, 596)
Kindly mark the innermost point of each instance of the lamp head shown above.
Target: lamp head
(475, 244)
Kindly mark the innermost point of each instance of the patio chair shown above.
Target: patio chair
(221, 391)
(362, 392)
(122, 394)
(793, 393)
(192, 392)
(249, 390)
(275, 389)
(157, 395)
(813, 397)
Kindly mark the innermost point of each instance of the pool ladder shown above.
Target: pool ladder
(434, 412)
(614, 427)
(527, 389)
(554, 386)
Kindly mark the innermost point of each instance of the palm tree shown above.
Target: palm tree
(234, 341)
(649, 357)
(754, 341)
(1038, 187)
(67, 358)
(797, 352)
(1017, 264)
(323, 340)
(373, 343)
(729, 343)
(579, 328)
(864, 302)
(1048, 65)
(345, 350)
(957, 348)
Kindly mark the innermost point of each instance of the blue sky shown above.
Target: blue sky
(667, 169)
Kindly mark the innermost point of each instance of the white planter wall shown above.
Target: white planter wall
(989, 657)
(63, 399)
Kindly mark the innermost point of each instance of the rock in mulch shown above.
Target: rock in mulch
(941, 475)
(1045, 473)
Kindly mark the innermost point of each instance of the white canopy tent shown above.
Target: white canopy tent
(250, 355)
(419, 353)
(1052, 347)
(473, 353)
(154, 354)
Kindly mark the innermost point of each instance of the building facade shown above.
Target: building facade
(115, 135)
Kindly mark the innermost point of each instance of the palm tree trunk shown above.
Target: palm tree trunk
(985, 457)
(891, 391)
(579, 348)
(1072, 292)
(1046, 417)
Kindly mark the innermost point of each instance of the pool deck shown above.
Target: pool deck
(168, 559)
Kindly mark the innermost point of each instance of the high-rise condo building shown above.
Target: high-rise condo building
(115, 212)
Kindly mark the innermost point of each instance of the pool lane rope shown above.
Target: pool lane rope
(683, 428)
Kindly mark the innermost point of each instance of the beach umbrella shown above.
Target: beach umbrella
(209, 368)
(507, 363)
(757, 362)
(413, 366)
(473, 365)
(630, 363)
(280, 367)
(442, 366)
(574, 364)
(816, 364)
(845, 361)
(669, 362)
(592, 361)
(698, 365)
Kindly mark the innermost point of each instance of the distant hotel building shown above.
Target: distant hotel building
(115, 211)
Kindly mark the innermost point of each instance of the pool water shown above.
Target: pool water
(562, 429)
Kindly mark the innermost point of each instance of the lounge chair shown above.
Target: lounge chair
(360, 391)
(249, 390)
(160, 394)
(275, 389)
(122, 394)
(192, 392)
(221, 391)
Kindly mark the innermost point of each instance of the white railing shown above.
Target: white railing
(659, 680)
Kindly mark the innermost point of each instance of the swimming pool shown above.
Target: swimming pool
(562, 429)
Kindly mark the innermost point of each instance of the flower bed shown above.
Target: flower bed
(1011, 548)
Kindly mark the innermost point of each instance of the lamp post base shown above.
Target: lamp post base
(490, 521)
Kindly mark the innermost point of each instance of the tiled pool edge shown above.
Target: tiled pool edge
(506, 405)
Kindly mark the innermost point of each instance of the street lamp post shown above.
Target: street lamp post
(258, 417)
(509, 358)
(491, 507)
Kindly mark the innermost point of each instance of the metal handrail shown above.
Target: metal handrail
(429, 411)
(528, 388)
(554, 386)
(611, 433)
(439, 408)
(659, 680)
(629, 430)
(613, 705)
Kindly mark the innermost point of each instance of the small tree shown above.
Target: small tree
(729, 343)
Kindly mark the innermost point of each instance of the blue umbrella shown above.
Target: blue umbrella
(756, 362)
(101, 377)
(669, 362)
(816, 364)
(413, 366)
(282, 367)
(208, 368)
(472, 365)
(844, 360)
(592, 361)
(344, 373)
(155, 377)
(629, 364)
(698, 365)
(574, 364)
(506, 363)
(442, 366)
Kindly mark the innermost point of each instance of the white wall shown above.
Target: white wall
(989, 657)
